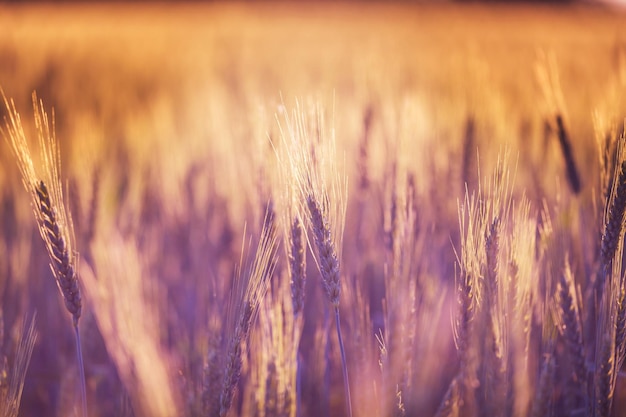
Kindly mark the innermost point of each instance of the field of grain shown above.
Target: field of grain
(301, 209)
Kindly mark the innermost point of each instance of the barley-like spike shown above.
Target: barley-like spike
(61, 263)
(615, 218)
(469, 150)
(54, 223)
(328, 261)
(573, 177)
(571, 330)
(604, 381)
(256, 285)
(235, 361)
(466, 315)
(297, 262)
(232, 371)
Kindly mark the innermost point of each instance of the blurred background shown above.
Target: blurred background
(166, 114)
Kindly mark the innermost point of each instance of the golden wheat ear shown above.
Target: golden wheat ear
(61, 261)
(53, 219)
(321, 197)
(47, 199)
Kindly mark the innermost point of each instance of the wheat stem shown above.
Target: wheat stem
(81, 370)
(344, 364)
(11, 402)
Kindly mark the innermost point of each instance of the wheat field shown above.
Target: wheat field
(301, 209)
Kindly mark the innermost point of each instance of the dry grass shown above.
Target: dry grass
(449, 183)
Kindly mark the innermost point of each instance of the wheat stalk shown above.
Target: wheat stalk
(10, 402)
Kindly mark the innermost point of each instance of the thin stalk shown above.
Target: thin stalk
(81, 370)
(298, 386)
(344, 364)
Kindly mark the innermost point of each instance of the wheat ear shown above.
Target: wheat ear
(571, 330)
(573, 178)
(61, 261)
(53, 220)
(321, 188)
(605, 376)
(297, 264)
(327, 255)
(297, 270)
(329, 269)
(212, 378)
(256, 284)
(234, 361)
(614, 218)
